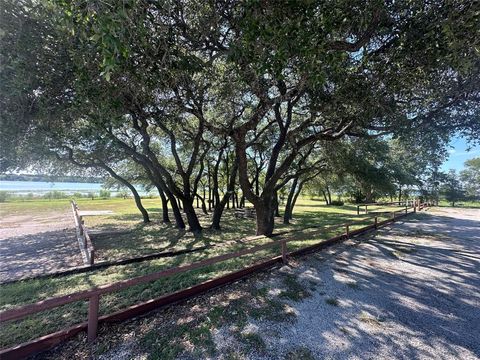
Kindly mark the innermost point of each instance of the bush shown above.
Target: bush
(104, 194)
(29, 196)
(55, 194)
(122, 194)
(337, 203)
(149, 195)
(3, 196)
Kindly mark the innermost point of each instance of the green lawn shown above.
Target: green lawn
(142, 239)
(460, 204)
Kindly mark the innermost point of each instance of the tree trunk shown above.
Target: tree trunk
(265, 211)
(192, 218)
(136, 196)
(220, 206)
(257, 182)
(325, 197)
(204, 206)
(287, 215)
(215, 189)
(138, 202)
(204, 193)
(218, 211)
(158, 181)
(165, 217)
(329, 196)
(209, 188)
(277, 206)
(368, 195)
(295, 198)
(176, 211)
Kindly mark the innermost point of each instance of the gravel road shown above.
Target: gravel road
(412, 291)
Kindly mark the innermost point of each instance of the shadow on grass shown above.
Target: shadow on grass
(399, 313)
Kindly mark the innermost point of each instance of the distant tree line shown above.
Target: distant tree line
(463, 186)
(51, 178)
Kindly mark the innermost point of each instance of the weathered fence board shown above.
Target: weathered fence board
(85, 243)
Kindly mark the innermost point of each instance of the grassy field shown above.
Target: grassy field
(460, 204)
(137, 238)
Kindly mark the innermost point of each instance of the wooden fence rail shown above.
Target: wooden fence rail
(413, 203)
(84, 241)
(93, 295)
(406, 203)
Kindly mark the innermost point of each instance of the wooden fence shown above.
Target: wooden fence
(414, 203)
(93, 295)
(84, 242)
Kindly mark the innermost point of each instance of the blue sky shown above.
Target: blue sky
(458, 154)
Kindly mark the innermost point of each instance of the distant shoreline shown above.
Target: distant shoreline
(29, 189)
(50, 178)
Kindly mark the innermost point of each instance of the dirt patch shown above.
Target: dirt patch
(37, 244)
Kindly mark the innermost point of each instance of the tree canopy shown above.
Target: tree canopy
(257, 89)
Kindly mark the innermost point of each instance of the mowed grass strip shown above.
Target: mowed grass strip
(308, 213)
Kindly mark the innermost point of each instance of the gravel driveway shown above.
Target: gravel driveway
(409, 291)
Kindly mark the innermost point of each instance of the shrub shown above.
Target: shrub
(55, 194)
(3, 196)
(148, 195)
(337, 203)
(122, 194)
(104, 194)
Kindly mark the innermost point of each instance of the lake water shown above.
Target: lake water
(39, 187)
(23, 188)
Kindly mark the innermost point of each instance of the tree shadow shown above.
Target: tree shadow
(424, 299)
(38, 253)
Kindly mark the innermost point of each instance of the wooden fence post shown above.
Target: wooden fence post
(393, 216)
(366, 212)
(80, 223)
(347, 231)
(358, 209)
(376, 222)
(284, 251)
(93, 317)
(92, 256)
